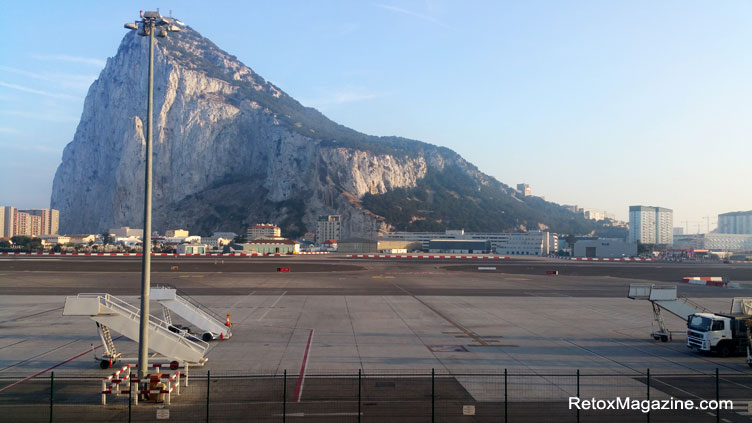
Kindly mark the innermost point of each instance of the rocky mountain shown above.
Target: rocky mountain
(231, 149)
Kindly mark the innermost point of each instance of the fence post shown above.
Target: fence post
(52, 388)
(505, 395)
(130, 395)
(717, 396)
(578, 394)
(648, 384)
(359, 395)
(433, 395)
(208, 389)
(284, 397)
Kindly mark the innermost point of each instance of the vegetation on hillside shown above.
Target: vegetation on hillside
(451, 199)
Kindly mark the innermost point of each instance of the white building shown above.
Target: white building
(524, 243)
(651, 225)
(714, 241)
(231, 235)
(55, 239)
(263, 230)
(604, 248)
(328, 227)
(126, 232)
(524, 189)
(216, 241)
(191, 249)
(176, 233)
(735, 222)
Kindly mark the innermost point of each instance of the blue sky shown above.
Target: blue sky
(600, 104)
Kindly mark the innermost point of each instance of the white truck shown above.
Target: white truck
(722, 333)
(725, 334)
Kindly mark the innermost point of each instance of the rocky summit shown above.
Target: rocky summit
(232, 149)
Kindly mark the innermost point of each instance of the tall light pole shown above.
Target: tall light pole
(150, 23)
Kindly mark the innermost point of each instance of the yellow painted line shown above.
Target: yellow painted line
(184, 276)
(382, 277)
(197, 276)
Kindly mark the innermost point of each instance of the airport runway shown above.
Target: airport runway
(333, 275)
(335, 315)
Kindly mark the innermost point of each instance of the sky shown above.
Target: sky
(599, 104)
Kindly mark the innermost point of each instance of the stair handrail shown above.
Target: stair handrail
(159, 325)
(179, 293)
(694, 305)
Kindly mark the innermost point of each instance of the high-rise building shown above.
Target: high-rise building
(9, 220)
(263, 230)
(524, 189)
(651, 225)
(22, 224)
(328, 227)
(735, 222)
(47, 223)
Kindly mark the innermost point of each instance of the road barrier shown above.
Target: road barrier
(705, 280)
(611, 259)
(410, 256)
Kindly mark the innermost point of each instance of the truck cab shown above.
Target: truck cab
(725, 334)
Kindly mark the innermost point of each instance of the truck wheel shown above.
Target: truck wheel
(724, 350)
(207, 337)
(104, 364)
(664, 338)
(656, 337)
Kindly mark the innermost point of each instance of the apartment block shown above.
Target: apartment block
(651, 225)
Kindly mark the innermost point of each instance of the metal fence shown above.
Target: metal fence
(506, 395)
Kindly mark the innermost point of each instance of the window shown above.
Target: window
(717, 325)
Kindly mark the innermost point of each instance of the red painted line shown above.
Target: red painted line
(301, 376)
(53, 367)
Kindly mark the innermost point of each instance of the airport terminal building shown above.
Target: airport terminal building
(525, 243)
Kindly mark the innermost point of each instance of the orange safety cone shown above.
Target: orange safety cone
(227, 323)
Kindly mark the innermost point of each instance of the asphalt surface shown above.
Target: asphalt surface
(333, 275)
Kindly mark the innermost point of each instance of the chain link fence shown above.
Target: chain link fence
(507, 395)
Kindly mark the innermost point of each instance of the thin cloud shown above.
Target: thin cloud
(38, 92)
(8, 131)
(39, 116)
(421, 16)
(73, 59)
(64, 79)
(31, 147)
(343, 97)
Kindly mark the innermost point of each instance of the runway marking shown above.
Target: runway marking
(464, 330)
(39, 355)
(301, 376)
(271, 307)
(31, 315)
(53, 367)
(241, 299)
(15, 343)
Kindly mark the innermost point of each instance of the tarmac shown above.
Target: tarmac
(331, 316)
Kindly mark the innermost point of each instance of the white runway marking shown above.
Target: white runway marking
(271, 307)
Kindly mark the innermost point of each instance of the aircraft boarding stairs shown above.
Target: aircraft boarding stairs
(112, 313)
(172, 300)
(664, 298)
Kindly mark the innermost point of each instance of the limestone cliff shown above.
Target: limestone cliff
(229, 149)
